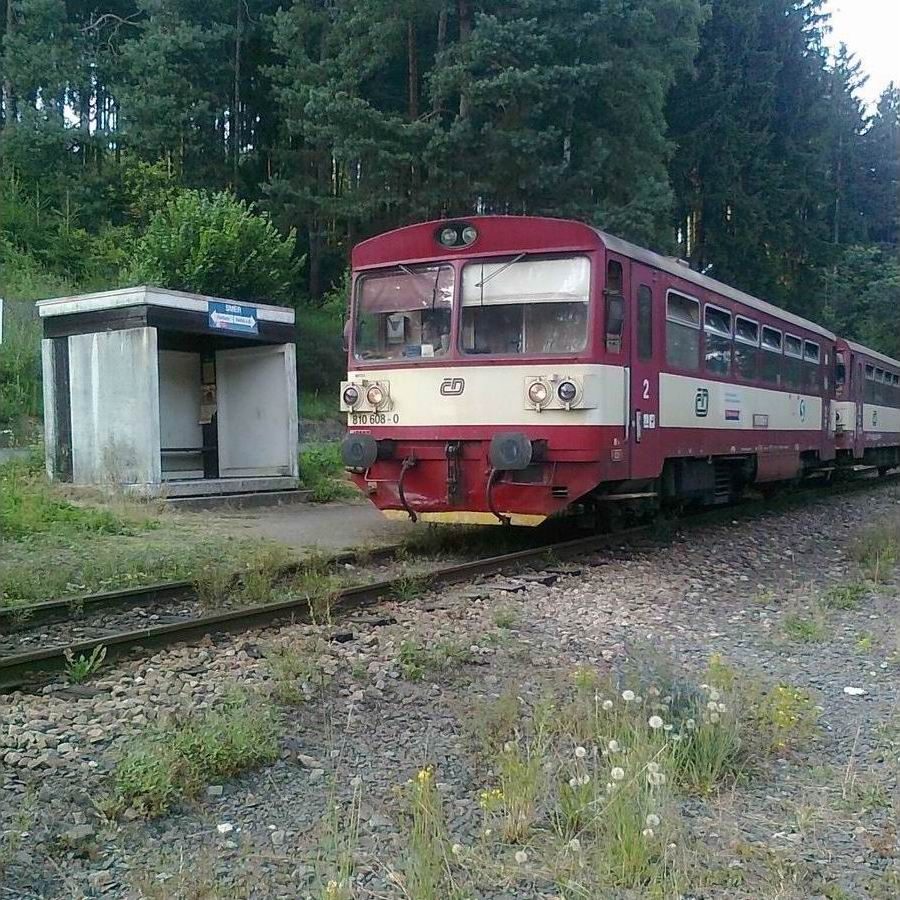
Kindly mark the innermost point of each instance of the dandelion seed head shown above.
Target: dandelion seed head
(628, 696)
(580, 752)
(521, 857)
(617, 773)
(652, 820)
(652, 766)
(607, 704)
(655, 722)
(613, 746)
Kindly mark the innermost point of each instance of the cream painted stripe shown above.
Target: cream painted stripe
(884, 419)
(687, 402)
(493, 395)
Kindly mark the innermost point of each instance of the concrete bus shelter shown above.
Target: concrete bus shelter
(169, 394)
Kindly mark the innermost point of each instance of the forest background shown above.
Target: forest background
(241, 147)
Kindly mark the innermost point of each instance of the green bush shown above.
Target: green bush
(322, 472)
(215, 244)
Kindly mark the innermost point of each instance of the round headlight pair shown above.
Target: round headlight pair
(375, 395)
(458, 235)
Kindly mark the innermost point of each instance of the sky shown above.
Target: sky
(871, 30)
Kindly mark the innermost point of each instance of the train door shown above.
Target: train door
(645, 351)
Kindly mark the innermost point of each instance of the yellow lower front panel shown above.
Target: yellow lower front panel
(466, 518)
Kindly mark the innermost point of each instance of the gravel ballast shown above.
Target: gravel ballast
(815, 822)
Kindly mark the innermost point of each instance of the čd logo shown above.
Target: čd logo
(452, 387)
(701, 403)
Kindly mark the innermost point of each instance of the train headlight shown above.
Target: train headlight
(376, 396)
(469, 233)
(449, 236)
(538, 393)
(351, 396)
(567, 391)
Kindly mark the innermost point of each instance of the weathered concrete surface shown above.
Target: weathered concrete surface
(328, 526)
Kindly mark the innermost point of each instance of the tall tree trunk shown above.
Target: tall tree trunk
(464, 10)
(441, 45)
(413, 51)
(236, 98)
(9, 102)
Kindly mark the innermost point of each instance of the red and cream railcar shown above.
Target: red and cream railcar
(503, 368)
(866, 407)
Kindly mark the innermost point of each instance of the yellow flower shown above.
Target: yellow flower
(425, 775)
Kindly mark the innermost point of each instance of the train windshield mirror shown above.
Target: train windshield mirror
(404, 313)
(534, 307)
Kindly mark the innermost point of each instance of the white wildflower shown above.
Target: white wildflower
(607, 704)
(712, 705)
(617, 774)
(580, 753)
(613, 746)
(652, 766)
(714, 694)
(225, 828)
(652, 820)
(647, 832)
(628, 696)
(521, 857)
(655, 722)
(722, 707)
(690, 724)
(656, 779)
(713, 717)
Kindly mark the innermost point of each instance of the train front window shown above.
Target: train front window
(526, 307)
(404, 313)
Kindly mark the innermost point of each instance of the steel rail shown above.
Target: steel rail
(15, 668)
(18, 669)
(49, 612)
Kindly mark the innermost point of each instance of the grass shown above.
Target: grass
(811, 629)
(846, 596)
(583, 782)
(876, 549)
(295, 675)
(52, 547)
(418, 660)
(80, 668)
(322, 472)
(321, 406)
(177, 762)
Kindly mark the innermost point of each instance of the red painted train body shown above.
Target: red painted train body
(503, 369)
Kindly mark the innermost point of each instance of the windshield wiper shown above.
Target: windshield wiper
(512, 262)
(434, 287)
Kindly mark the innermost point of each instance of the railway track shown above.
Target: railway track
(18, 669)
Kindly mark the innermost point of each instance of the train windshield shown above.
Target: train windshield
(529, 307)
(404, 313)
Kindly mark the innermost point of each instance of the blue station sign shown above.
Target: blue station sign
(233, 317)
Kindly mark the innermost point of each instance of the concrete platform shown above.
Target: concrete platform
(304, 526)
(206, 487)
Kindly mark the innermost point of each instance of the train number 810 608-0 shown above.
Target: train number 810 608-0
(374, 419)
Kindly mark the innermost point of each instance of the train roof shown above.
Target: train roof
(675, 267)
(865, 351)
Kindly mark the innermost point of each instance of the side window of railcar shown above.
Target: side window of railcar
(682, 331)
(869, 389)
(812, 380)
(879, 386)
(645, 322)
(770, 370)
(792, 367)
(615, 306)
(746, 348)
(717, 334)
